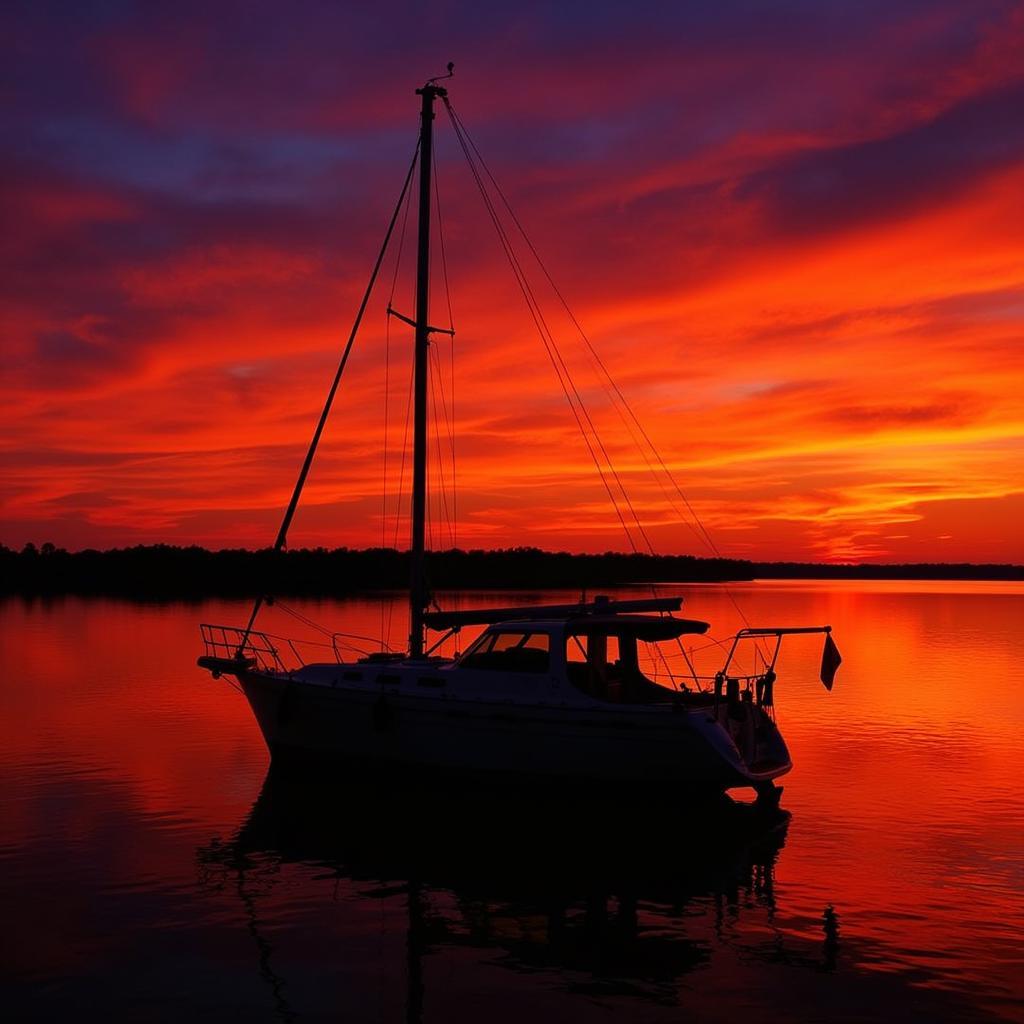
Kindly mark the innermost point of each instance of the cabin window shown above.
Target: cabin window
(593, 661)
(518, 651)
(577, 645)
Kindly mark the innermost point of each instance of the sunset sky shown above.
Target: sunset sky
(794, 232)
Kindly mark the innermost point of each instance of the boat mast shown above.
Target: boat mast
(418, 594)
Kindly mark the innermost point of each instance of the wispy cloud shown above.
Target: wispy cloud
(795, 237)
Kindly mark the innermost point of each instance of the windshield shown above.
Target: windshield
(509, 651)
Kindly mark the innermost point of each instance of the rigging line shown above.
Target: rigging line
(530, 306)
(429, 514)
(387, 386)
(437, 440)
(607, 377)
(440, 238)
(594, 355)
(597, 437)
(455, 477)
(286, 523)
(400, 496)
(401, 485)
(701, 530)
(437, 368)
(304, 619)
(401, 465)
(384, 483)
(435, 494)
(721, 644)
(450, 421)
(282, 534)
(459, 130)
(540, 262)
(600, 442)
(541, 326)
(402, 236)
(387, 350)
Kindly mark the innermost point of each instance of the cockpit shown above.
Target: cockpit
(602, 659)
(597, 655)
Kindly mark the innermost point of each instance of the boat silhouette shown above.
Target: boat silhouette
(554, 693)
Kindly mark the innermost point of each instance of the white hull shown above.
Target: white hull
(690, 749)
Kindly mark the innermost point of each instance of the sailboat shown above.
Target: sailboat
(554, 693)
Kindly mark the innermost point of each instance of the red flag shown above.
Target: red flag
(830, 661)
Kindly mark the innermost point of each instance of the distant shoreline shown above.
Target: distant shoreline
(161, 571)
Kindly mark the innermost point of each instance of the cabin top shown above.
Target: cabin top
(650, 628)
(600, 615)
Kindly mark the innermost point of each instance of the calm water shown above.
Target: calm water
(152, 870)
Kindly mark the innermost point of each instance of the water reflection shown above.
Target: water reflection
(615, 900)
(120, 758)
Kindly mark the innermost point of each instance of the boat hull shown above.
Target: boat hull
(678, 747)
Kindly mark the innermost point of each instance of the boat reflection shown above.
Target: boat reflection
(617, 896)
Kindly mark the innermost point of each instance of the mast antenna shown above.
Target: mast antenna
(441, 78)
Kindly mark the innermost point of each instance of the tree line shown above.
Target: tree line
(164, 571)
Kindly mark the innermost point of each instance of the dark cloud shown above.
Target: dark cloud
(912, 170)
(882, 416)
(62, 348)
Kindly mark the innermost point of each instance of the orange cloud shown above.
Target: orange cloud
(813, 298)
